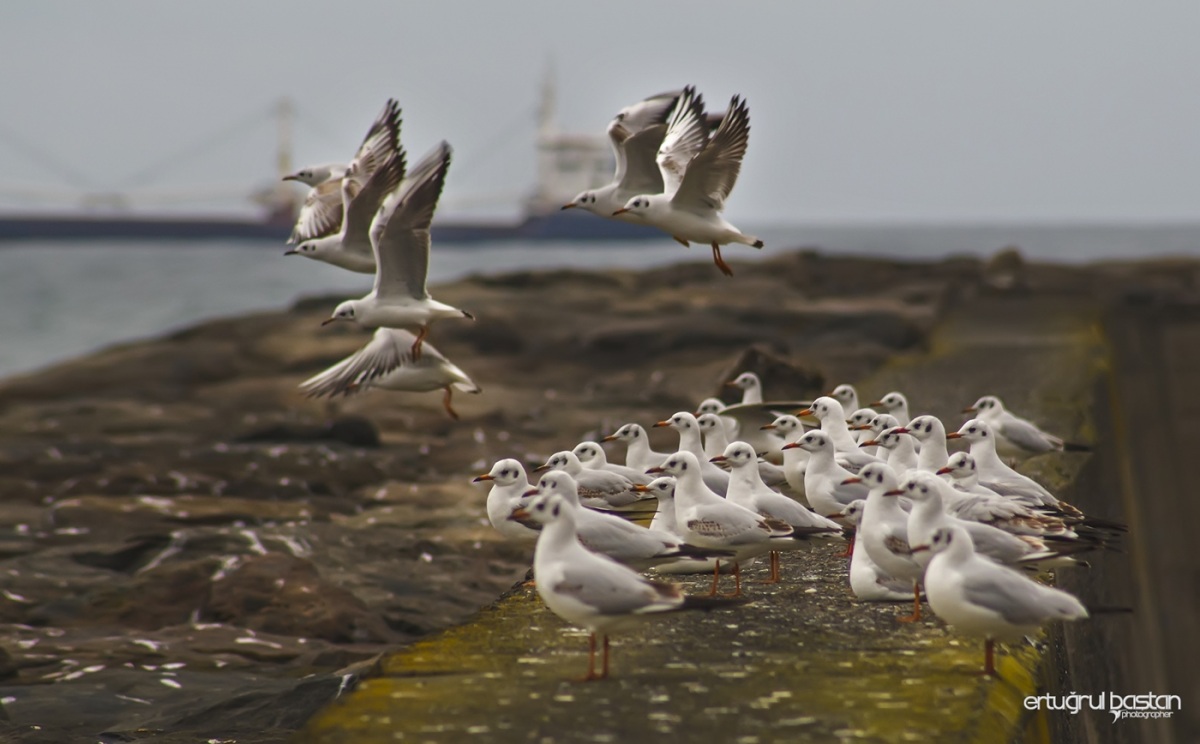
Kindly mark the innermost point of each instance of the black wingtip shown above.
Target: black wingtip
(1075, 447)
(759, 244)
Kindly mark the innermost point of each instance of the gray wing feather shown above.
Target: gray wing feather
(710, 176)
(1029, 437)
(402, 245)
(608, 592)
(321, 214)
(1019, 600)
(361, 209)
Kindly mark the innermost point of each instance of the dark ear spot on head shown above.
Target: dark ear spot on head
(556, 508)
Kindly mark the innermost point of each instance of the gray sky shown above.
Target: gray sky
(860, 110)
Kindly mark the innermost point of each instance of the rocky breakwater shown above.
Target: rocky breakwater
(190, 548)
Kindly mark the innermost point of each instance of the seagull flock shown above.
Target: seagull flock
(747, 480)
(966, 531)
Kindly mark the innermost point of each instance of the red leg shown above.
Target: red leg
(916, 613)
(737, 581)
(720, 262)
(774, 578)
(446, 403)
(604, 673)
(716, 579)
(591, 672)
(416, 347)
(849, 547)
(989, 658)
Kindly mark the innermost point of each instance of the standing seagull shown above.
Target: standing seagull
(387, 362)
(698, 173)
(400, 238)
(1018, 437)
(324, 207)
(980, 597)
(592, 591)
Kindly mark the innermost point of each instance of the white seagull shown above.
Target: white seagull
(894, 403)
(980, 597)
(595, 592)
(884, 530)
(635, 133)
(638, 454)
(698, 172)
(598, 489)
(1018, 437)
(592, 457)
(324, 208)
(868, 581)
(507, 495)
(387, 363)
(400, 239)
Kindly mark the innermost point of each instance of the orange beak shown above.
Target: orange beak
(919, 549)
(718, 458)
(572, 205)
(484, 477)
(942, 471)
(804, 412)
(530, 492)
(790, 445)
(640, 488)
(654, 470)
(876, 403)
(970, 409)
(852, 479)
(539, 469)
(622, 210)
(327, 321)
(660, 424)
(768, 427)
(610, 438)
(518, 515)
(954, 435)
(894, 492)
(869, 443)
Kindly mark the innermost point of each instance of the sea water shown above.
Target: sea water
(60, 300)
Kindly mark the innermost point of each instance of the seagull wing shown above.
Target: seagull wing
(1017, 599)
(402, 243)
(686, 136)
(612, 589)
(1028, 436)
(636, 133)
(710, 176)
(380, 144)
(362, 206)
(387, 351)
(321, 214)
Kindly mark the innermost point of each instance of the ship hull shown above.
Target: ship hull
(562, 226)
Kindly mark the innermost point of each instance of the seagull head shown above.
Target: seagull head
(853, 511)
(304, 249)
(891, 437)
(784, 426)
(975, 430)
(925, 428)
(565, 461)
(960, 465)
(824, 408)
(627, 433)
(708, 422)
(504, 473)
(739, 454)
(543, 509)
(988, 404)
(680, 422)
(861, 419)
(919, 486)
(556, 483)
(636, 206)
(745, 381)
(813, 441)
(348, 310)
(943, 538)
(587, 451)
(844, 394)
(312, 175)
(661, 488)
(878, 476)
(710, 405)
(893, 401)
(585, 200)
(680, 465)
